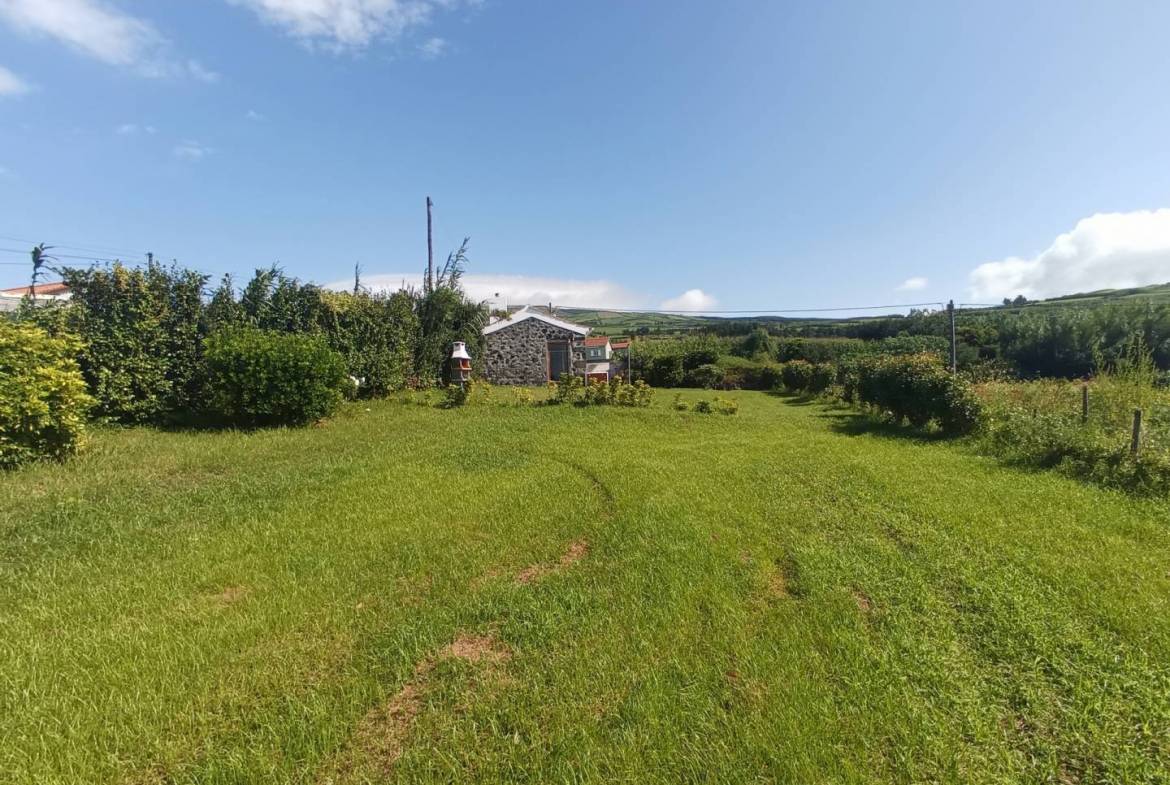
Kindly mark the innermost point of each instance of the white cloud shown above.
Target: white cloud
(104, 33)
(11, 84)
(517, 289)
(252, 114)
(190, 150)
(915, 284)
(349, 24)
(433, 48)
(690, 300)
(1104, 251)
(131, 129)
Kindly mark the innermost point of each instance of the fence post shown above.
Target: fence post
(1136, 444)
(1085, 403)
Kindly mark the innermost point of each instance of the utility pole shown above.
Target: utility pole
(954, 348)
(430, 285)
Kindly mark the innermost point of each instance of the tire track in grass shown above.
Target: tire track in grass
(380, 738)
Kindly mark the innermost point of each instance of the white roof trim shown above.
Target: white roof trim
(523, 314)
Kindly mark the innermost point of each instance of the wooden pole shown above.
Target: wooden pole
(1084, 403)
(1136, 444)
(430, 249)
(954, 348)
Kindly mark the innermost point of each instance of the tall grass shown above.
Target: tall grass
(1043, 423)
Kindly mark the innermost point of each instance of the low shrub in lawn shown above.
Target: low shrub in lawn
(717, 406)
(567, 389)
(265, 378)
(43, 402)
(919, 389)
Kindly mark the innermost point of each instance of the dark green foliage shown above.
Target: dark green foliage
(665, 371)
(919, 389)
(375, 334)
(758, 345)
(822, 378)
(705, 376)
(446, 316)
(141, 331)
(265, 378)
(816, 350)
(694, 358)
(43, 403)
(744, 374)
(796, 375)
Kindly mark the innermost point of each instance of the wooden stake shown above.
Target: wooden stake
(1084, 403)
(1136, 444)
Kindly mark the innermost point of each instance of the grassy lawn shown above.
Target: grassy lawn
(564, 595)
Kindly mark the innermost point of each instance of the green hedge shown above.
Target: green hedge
(265, 378)
(918, 388)
(43, 403)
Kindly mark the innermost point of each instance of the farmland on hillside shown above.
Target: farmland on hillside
(519, 593)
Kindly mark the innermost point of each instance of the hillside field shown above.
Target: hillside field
(553, 594)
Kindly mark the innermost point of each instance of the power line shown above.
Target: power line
(85, 247)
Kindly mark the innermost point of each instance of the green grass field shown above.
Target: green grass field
(544, 594)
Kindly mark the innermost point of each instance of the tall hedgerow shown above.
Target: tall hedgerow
(141, 331)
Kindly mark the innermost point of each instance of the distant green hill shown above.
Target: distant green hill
(625, 322)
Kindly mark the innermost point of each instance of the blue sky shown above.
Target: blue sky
(765, 154)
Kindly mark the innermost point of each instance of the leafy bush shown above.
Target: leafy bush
(597, 393)
(522, 396)
(726, 406)
(639, 394)
(264, 378)
(567, 389)
(665, 371)
(758, 344)
(703, 406)
(43, 403)
(705, 376)
(679, 405)
(475, 392)
(822, 378)
(919, 389)
(796, 375)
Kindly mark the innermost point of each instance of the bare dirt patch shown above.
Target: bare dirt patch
(777, 587)
(476, 648)
(231, 595)
(864, 603)
(576, 551)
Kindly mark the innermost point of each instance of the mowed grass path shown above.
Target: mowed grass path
(560, 595)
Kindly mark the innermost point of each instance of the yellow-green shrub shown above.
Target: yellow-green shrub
(43, 402)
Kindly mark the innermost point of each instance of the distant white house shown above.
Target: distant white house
(45, 293)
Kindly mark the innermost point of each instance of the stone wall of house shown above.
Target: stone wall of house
(518, 353)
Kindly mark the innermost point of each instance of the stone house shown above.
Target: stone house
(531, 348)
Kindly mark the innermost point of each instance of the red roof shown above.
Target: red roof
(44, 288)
(621, 344)
(600, 340)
